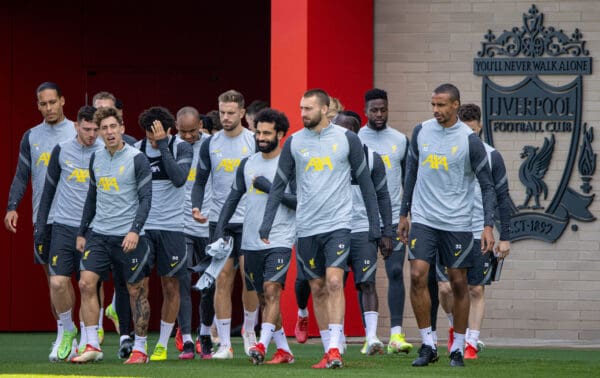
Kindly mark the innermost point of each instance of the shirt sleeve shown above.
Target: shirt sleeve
(202, 174)
(360, 171)
(285, 171)
(177, 168)
(412, 168)
(50, 184)
(89, 207)
(238, 188)
(21, 179)
(384, 202)
(502, 195)
(480, 166)
(143, 177)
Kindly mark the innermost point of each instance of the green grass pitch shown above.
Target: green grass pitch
(26, 354)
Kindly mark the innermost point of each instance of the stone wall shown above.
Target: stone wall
(547, 291)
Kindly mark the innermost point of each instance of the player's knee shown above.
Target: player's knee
(335, 283)
(367, 288)
(271, 292)
(418, 278)
(444, 288)
(395, 273)
(87, 286)
(58, 284)
(476, 292)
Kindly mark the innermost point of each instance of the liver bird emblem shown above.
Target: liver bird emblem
(532, 172)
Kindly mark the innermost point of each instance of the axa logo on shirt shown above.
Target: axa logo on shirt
(107, 183)
(44, 157)
(319, 163)
(79, 174)
(228, 165)
(436, 161)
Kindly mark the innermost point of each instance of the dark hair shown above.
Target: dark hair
(119, 104)
(104, 95)
(103, 113)
(48, 85)
(350, 113)
(321, 95)
(256, 106)
(375, 94)
(215, 120)
(207, 123)
(148, 116)
(449, 89)
(86, 113)
(232, 96)
(469, 112)
(271, 115)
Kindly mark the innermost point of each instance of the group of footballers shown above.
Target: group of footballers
(340, 193)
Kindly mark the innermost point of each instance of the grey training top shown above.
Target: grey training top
(392, 146)
(170, 166)
(67, 182)
(502, 197)
(441, 168)
(120, 193)
(322, 164)
(360, 222)
(220, 157)
(34, 156)
(283, 233)
(191, 226)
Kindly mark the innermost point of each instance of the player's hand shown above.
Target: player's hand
(502, 250)
(197, 215)
(10, 221)
(262, 183)
(158, 130)
(80, 243)
(403, 229)
(130, 241)
(487, 239)
(385, 246)
(266, 241)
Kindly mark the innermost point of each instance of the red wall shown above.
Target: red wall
(185, 54)
(329, 45)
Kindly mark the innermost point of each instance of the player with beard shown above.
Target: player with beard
(323, 158)
(392, 146)
(265, 265)
(220, 157)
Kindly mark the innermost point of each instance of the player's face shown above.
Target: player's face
(51, 106)
(104, 103)
(377, 113)
(312, 112)
(267, 138)
(347, 122)
(111, 131)
(474, 125)
(188, 128)
(444, 109)
(250, 122)
(231, 115)
(87, 132)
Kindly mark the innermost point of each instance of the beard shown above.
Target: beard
(312, 123)
(269, 147)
